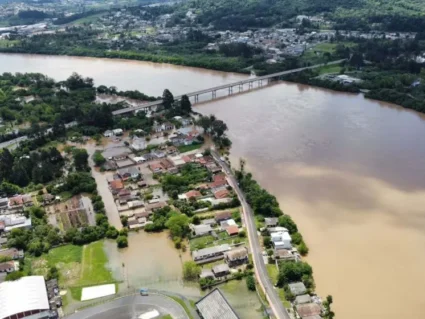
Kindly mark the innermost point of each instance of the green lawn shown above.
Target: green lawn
(188, 148)
(273, 273)
(88, 19)
(93, 269)
(7, 43)
(200, 242)
(65, 254)
(330, 69)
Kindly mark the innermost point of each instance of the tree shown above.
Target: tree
(250, 282)
(53, 273)
(191, 270)
(303, 249)
(15, 275)
(124, 220)
(178, 225)
(98, 158)
(205, 123)
(122, 242)
(218, 128)
(185, 104)
(80, 159)
(287, 222)
(167, 99)
(294, 271)
(6, 162)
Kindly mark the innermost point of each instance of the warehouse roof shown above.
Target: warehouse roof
(31, 289)
(215, 306)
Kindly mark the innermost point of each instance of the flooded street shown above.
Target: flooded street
(351, 172)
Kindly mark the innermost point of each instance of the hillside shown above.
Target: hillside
(344, 14)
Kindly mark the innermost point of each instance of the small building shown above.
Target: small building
(283, 254)
(12, 253)
(4, 202)
(221, 270)
(215, 252)
(156, 167)
(308, 310)
(236, 257)
(223, 193)
(227, 223)
(155, 206)
(271, 221)
(191, 194)
(220, 216)
(297, 288)
(130, 172)
(302, 299)
(8, 266)
(138, 144)
(108, 133)
(281, 240)
(201, 230)
(215, 306)
(118, 132)
(206, 273)
(232, 230)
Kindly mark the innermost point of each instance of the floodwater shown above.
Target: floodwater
(351, 172)
(147, 77)
(150, 261)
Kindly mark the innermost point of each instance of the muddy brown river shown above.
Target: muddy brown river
(350, 171)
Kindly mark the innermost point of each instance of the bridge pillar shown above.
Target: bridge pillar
(214, 94)
(240, 87)
(250, 85)
(196, 98)
(230, 90)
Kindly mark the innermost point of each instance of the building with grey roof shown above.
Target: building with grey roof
(302, 299)
(210, 252)
(297, 288)
(215, 306)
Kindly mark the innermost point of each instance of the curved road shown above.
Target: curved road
(260, 268)
(131, 307)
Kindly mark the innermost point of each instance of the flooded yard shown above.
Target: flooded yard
(150, 261)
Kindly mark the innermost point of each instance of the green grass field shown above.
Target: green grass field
(7, 43)
(93, 269)
(188, 148)
(273, 273)
(183, 304)
(200, 242)
(89, 19)
(79, 266)
(329, 69)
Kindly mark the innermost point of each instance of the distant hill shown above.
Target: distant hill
(351, 14)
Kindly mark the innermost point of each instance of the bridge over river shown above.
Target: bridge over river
(239, 85)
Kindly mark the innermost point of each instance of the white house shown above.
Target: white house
(281, 240)
(118, 131)
(138, 144)
(108, 133)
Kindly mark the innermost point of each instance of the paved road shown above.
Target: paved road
(131, 307)
(260, 267)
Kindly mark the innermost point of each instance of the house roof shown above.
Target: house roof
(217, 183)
(215, 306)
(156, 166)
(201, 229)
(31, 289)
(221, 194)
(232, 230)
(209, 221)
(116, 184)
(7, 265)
(223, 215)
(302, 299)
(309, 309)
(11, 252)
(211, 250)
(193, 193)
(238, 253)
(297, 288)
(206, 273)
(154, 206)
(221, 268)
(219, 177)
(271, 221)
